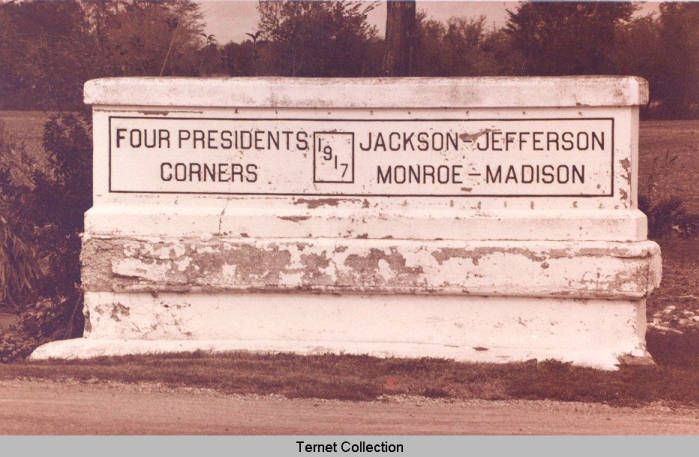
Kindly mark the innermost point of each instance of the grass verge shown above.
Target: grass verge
(362, 378)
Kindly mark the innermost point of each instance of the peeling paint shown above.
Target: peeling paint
(294, 218)
(626, 166)
(155, 113)
(445, 254)
(443, 271)
(472, 137)
(359, 265)
(119, 311)
(370, 262)
(624, 195)
(318, 202)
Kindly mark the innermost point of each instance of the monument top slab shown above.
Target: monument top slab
(275, 92)
(382, 157)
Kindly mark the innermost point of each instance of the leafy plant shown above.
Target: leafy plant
(19, 270)
(666, 213)
(40, 229)
(667, 216)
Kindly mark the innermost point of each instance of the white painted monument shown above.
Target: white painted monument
(479, 219)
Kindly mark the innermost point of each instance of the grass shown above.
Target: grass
(363, 378)
(678, 138)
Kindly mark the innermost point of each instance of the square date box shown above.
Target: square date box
(333, 157)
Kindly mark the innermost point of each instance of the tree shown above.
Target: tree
(638, 52)
(324, 38)
(461, 47)
(146, 38)
(42, 50)
(677, 83)
(428, 56)
(567, 38)
(49, 49)
(400, 37)
(238, 59)
(42, 218)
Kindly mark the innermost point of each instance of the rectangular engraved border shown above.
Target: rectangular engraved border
(342, 194)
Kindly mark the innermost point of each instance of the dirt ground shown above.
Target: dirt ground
(47, 407)
(674, 306)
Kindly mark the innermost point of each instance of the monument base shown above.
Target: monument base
(482, 301)
(594, 333)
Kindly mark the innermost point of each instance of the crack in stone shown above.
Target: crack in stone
(220, 217)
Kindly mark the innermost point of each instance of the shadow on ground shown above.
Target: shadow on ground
(673, 349)
(673, 380)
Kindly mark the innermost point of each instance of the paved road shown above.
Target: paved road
(46, 407)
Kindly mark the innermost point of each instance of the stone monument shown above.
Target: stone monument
(477, 219)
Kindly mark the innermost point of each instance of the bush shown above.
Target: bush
(667, 216)
(666, 213)
(45, 320)
(42, 208)
(19, 269)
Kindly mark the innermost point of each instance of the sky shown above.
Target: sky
(229, 20)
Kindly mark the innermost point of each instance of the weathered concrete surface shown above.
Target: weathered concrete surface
(620, 159)
(442, 93)
(296, 257)
(530, 269)
(363, 219)
(596, 333)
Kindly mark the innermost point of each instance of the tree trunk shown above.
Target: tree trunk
(400, 35)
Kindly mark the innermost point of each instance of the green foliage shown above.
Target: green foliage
(675, 82)
(48, 49)
(462, 47)
(323, 38)
(667, 216)
(567, 38)
(40, 234)
(19, 268)
(638, 50)
(145, 38)
(240, 59)
(664, 49)
(666, 213)
(43, 46)
(570, 38)
(47, 319)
